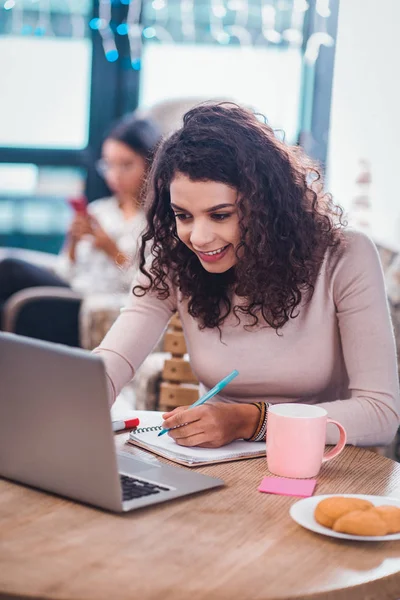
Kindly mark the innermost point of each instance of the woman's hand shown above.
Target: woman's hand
(80, 226)
(104, 242)
(101, 239)
(211, 425)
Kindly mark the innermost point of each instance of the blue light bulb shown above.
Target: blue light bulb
(136, 64)
(123, 29)
(112, 55)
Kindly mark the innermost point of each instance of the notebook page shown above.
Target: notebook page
(150, 439)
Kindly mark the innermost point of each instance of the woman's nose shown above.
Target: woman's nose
(201, 234)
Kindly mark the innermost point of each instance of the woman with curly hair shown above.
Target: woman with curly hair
(266, 279)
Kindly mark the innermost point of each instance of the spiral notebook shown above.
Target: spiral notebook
(146, 436)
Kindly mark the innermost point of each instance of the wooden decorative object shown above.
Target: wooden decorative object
(179, 385)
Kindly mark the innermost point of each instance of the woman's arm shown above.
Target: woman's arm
(371, 415)
(133, 336)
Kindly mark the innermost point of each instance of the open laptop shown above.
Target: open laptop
(56, 432)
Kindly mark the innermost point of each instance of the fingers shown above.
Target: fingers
(173, 412)
(187, 427)
(179, 418)
(94, 224)
(205, 426)
(80, 219)
(80, 226)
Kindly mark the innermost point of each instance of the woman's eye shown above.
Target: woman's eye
(181, 216)
(220, 216)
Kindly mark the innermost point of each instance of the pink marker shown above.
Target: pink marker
(121, 425)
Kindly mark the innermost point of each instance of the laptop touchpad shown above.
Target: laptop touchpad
(134, 463)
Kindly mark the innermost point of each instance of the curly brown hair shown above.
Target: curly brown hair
(286, 221)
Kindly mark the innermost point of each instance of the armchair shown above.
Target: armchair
(97, 312)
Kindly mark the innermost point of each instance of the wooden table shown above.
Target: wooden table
(226, 544)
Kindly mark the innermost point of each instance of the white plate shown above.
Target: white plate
(303, 513)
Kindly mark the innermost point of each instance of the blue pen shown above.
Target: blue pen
(215, 390)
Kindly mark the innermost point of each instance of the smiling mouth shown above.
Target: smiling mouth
(214, 252)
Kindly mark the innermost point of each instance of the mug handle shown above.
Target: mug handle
(340, 445)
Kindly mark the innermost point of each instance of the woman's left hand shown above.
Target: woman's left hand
(102, 240)
(211, 425)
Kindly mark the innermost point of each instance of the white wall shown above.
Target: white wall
(365, 115)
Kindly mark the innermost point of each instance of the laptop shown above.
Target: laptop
(56, 432)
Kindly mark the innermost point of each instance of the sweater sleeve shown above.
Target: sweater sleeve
(133, 335)
(371, 415)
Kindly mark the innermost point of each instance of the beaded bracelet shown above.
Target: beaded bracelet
(261, 429)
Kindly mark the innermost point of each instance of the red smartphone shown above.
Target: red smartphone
(79, 205)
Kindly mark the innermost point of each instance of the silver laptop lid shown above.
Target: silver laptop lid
(42, 442)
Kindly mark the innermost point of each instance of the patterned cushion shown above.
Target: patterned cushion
(391, 268)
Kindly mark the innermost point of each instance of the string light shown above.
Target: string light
(268, 18)
(315, 41)
(123, 29)
(96, 24)
(159, 32)
(105, 31)
(322, 8)
(77, 22)
(242, 15)
(216, 23)
(134, 34)
(294, 34)
(241, 33)
(160, 28)
(218, 9)
(223, 35)
(161, 10)
(188, 24)
(17, 18)
(158, 4)
(300, 6)
(149, 32)
(44, 21)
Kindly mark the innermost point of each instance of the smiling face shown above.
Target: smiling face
(207, 220)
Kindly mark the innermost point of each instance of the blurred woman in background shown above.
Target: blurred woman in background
(99, 255)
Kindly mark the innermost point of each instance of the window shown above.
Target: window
(45, 65)
(269, 81)
(246, 51)
(46, 92)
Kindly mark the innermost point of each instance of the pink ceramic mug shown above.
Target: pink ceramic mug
(296, 436)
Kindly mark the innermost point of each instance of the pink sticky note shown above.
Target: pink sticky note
(288, 487)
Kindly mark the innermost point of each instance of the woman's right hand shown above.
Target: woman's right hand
(80, 226)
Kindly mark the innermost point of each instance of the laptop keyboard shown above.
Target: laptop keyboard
(137, 488)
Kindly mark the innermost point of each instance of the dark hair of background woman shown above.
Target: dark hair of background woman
(142, 135)
(286, 221)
